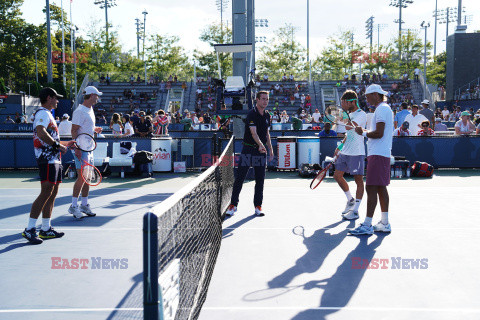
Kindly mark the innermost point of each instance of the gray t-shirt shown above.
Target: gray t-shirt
(428, 114)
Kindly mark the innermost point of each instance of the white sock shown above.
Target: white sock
(31, 223)
(84, 201)
(45, 224)
(357, 205)
(74, 201)
(385, 217)
(368, 221)
(349, 196)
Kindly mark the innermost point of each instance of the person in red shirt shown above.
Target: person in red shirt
(426, 131)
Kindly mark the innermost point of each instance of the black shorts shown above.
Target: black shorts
(51, 172)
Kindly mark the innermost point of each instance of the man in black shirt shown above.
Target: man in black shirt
(255, 141)
(143, 128)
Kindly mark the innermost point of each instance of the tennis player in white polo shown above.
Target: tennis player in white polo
(379, 150)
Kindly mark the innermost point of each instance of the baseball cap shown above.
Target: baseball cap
(92, 90)
(405, 125)
(465, 113)
(438, 119)
(48, 92)
(375, 88)
(65, 116)
(425, 101)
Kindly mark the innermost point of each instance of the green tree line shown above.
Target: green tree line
(164, 56)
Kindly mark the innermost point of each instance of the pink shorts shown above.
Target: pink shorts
(378, 171)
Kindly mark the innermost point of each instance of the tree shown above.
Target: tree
(283, 54)
(166, 57)
(412, 48)
(207, 61)
(437, 70)
(339, 56)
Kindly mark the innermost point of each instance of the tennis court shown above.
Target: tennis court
(264, 270)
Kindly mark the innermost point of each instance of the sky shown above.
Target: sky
(187, 18)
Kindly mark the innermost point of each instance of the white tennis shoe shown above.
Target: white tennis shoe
(231, 210)
(77, 214)
(380, 227)
(350, 205)
(350, 215)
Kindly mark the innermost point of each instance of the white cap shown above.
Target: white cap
(66, 116)
(438, 119)
(92, 90)
(425, 101)
(375, 88)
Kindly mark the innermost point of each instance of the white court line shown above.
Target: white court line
(70, 310)
(348, 309)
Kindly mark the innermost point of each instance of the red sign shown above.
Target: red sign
(361, 57)
(3, 97)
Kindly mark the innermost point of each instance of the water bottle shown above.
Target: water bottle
(398, 172)
(408, 172)
(122, 174)
(392, 172)
(71, 174)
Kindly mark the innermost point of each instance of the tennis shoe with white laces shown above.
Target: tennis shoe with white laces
(350, 215)
(86, 209)
(231, 210)
(259, 212)
(350, 205)
(380, 227)
(361, 230)
(77, 214)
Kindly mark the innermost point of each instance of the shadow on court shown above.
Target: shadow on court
(228, 232)
(132, 299)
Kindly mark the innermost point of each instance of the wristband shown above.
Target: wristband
(56, 145)
(340, 147)
(365, 134)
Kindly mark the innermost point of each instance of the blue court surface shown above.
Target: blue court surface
(265, 270)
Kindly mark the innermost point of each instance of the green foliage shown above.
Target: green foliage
(283, 54)
(3, 89)
(207, 61)
(165, 57)
(437, 70)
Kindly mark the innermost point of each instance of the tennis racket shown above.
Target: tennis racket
(90, 174)
(321, 175)
(336, 115)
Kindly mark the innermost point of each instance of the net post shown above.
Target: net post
(150, 267)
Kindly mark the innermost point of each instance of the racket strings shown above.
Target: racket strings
(90, 175)
(85, 142)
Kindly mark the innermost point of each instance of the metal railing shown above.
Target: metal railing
(458, 92)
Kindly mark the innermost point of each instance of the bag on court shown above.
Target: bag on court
(422, 169)
(125, 147)
(142, 157)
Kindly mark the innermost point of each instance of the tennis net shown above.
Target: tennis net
(182, 237)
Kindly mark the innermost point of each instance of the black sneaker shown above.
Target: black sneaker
(31, 236)
(50, 234)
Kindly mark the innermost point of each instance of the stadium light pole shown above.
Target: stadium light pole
(105, 4)
(308, 43)
(143, 54)
(222, 6)
(63, 47)
(49, 45)
(369, 30)
(139, 35)
(380, 27)
(425, 26)
(400, 4)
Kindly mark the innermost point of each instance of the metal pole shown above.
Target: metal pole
(459, 17)
(308, 43)
(435, 36)
(36, 65)
(106, 20)
(378, 41)
(49, 45)
(75, 62)
(448, 18)
(221, 18)
(400, 31)
(137, 22)
(63, 48)
(144, 26)
(425, 57)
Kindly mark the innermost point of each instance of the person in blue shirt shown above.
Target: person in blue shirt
(400, 116)
(327, 131)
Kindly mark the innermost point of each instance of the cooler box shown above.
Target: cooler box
(308, 150)
(162, 154)
(286, 150)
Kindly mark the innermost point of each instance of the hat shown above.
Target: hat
(66, 116)
(92, 90)
(425, 101)
(48, 92)
(375, 88)
(465, 113)
(406, 124)
(438, 119)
